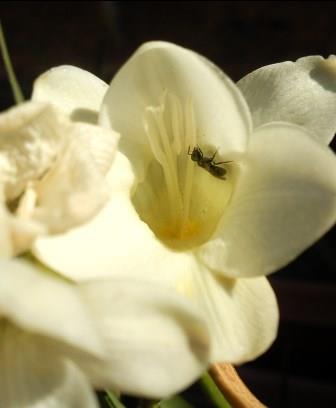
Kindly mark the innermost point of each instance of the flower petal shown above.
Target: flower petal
(284, 201)
(74, 91)
(156, 342)
(96, 248)
(42, 303)
(32, 376)
(242, 315)
(6, 245)
(23, 233)
(16, 234)
(301, 92)
(31, 135)
(75, 188)
(222, 117)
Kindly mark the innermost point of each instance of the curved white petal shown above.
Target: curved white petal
(284, 201)
(22, 233)
(31, 135)
(301, 92)
(75, 188)
(157, 69)
(74, 91)
(42, 303)
(16, 235)
(6, 245)
(33, 377)
(242, 315)
(114, 241)
(156, 342)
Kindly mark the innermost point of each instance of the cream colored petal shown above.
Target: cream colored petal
(242, 315)
(284, 201)
(6, 249)
(156, 342)
(34, 377)
(73, 91)
(42, 303)
(75, 187)
(301, 92)
(31, 136)
(23, 233)
(6, 245)
(114, 240)
(221, 116)
(16, 234)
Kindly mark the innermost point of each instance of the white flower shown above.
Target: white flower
(59, 339)
(36, 339)
(172, 221)
(52, 172)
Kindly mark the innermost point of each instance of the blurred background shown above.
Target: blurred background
(239, 36)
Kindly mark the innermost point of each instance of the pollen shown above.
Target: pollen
(186, 231)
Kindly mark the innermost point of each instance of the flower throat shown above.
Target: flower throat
(185, 191)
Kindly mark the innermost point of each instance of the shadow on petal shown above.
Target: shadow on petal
(84, 115)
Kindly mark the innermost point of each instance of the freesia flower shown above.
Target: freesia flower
(59, 339)
(52, 172)
(209, 234)
(37, 340)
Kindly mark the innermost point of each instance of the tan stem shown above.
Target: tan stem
(233, 388)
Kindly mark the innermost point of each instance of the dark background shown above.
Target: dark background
(298, 371)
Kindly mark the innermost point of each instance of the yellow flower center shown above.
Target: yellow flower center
(182, 197)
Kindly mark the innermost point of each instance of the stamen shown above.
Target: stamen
(190, 138)
(151, 134)
(27, 203)
(177, 122)
(162, 149)
(185, 209)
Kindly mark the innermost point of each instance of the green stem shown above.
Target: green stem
(17, 93)
(212, 391)
(113, 400)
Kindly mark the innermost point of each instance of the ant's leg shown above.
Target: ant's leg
(213, 156)
(223, 162)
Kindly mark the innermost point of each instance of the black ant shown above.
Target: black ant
(208, 163)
